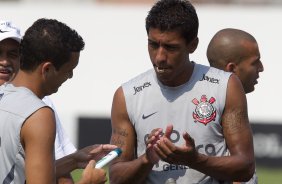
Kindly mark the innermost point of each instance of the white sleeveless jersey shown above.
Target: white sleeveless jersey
(195, 107)
(63, 145)
(16, 105)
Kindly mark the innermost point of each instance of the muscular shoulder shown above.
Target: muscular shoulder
(40, 124)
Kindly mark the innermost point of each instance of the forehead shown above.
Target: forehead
(9, 42)
(250, 48)
(157, 35)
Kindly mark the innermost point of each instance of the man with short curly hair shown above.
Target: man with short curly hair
(49, 52)
(180, 120)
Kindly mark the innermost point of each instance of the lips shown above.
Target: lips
(6, 70)
(5, 73)
(161, 70)
(256, 80)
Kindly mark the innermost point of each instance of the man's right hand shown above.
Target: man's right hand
(93, 152)
(91, 175)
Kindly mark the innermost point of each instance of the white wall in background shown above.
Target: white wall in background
(116, 50)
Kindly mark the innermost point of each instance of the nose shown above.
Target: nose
(260, 68)
(161, 56)
(4, 60)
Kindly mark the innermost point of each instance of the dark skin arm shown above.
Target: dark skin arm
(126, 168)
(239, 166)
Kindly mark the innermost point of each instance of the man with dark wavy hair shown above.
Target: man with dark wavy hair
(180, 120)
(66, 156)
(49, 52)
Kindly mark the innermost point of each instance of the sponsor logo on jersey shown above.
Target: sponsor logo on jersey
(3, 31)
(204, 111)
(210, 79)
(173, 167)
(147, 116)
(138, 89)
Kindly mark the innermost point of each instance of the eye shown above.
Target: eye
(170, 47)
(153, 45)
(13, 55)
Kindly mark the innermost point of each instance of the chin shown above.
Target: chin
(249, 90)
(52, 92)
(2, 81)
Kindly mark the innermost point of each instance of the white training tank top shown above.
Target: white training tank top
(195, 107)
(63, 144)
(16, 105)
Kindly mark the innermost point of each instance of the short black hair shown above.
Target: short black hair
(171, 15)
(48, 40)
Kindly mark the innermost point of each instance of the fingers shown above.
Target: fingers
(92, 164)
(89, 167)
(102, 148)
(103, 176)
(151, 155)
(108, 147)
(93, 175)
(188, 139)
(165, 148)
(154, 136)
(168, 130)
(100, 151)
(160, 142)
(157, 133)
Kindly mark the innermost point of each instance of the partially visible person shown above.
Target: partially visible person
(10, 39)
(49, 53)
(237, 51)
(180, 120)
(66, 155)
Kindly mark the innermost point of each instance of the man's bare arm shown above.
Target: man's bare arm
(37, 137)
(239, 166)
(126, 168)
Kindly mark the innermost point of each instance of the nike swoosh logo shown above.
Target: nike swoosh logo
(3, 31)
(145, 117)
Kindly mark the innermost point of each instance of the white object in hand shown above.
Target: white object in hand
(108, 158)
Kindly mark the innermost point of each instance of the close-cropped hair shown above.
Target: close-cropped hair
(174, 15)
(48, 40)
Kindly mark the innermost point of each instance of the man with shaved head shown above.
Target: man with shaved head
(237, 51)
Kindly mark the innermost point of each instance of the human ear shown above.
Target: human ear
(230, 67)
(47, 69)
(193, 45)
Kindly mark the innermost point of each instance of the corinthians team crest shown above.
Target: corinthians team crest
(204, 112)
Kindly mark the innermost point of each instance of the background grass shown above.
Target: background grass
(76, 174)
(269, 175)
(265, 175)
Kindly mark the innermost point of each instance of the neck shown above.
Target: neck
(28, 80)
